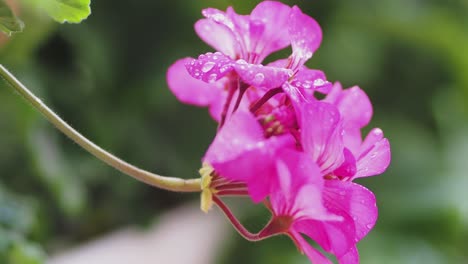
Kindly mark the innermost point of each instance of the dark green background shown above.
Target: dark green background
(106, 77)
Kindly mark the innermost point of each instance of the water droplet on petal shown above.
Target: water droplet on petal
(208, 66)
(212, 78)
(259, 77)
(369, 226)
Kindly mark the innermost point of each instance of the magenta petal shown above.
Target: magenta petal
(263, 77)
(348, 168)
(190, 90)
(322, 134)
(299, 182)
(353, 202)
(219, 17)
(335, 237)
(315, 256)
(355, 106)
(305, 34)
(375, 155)
(309, 80)
(210, 67)
(351, 257)
(240, 133)
(218, 36)
(237, 149)
(269, 28)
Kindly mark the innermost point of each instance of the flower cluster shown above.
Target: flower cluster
(278, 142)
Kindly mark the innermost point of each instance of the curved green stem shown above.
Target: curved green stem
(167, 183)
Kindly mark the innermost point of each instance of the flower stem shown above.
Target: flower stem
(231, 90)
(254, 108)
(167, 183)
(235, 222)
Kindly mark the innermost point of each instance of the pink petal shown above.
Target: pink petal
(210, 67)
(355, 107)
(219, 17)
(298, 188)
(334, 93)
(352, 257)
(262, 77)
(309, 80)
(375, 155)
(321, 134)
(218, 36)
(240, 152)
(240, 133)
(354, 202)
(189, 90)
(305, 34)
(269, 28)
(352, 139)
(315, 256)
(335, 237)
(348, 167)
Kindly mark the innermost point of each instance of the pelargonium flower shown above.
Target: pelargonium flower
(349, 210)
(276, 141)
(242, 42)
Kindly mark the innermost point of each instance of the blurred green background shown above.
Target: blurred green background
(106, 77)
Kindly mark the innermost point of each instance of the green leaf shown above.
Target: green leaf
(9, 23)
(71, 11)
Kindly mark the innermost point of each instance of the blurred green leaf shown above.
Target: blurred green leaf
(25, 253)
(16, 213)
(71, 11)
(9, 23)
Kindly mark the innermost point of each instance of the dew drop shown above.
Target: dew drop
(259, 77)
(208, 66)
(212, 78)
(319, 82)
(369, 226)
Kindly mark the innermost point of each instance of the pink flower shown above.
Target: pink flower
(335, 214)
(371, 156)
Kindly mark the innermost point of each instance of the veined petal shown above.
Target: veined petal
(210, 67)
(336, 237)
(189, 90)
(354, 202)
(240, 152)
(262, 77)
(309, 81)
(315, 256)
(354, 106)
(218, 36)
(374, 156)
(297, 190)
(348, 167)
(240, 133)
(322, 134)
(352, 257)
(268, 28)
(305, 34)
